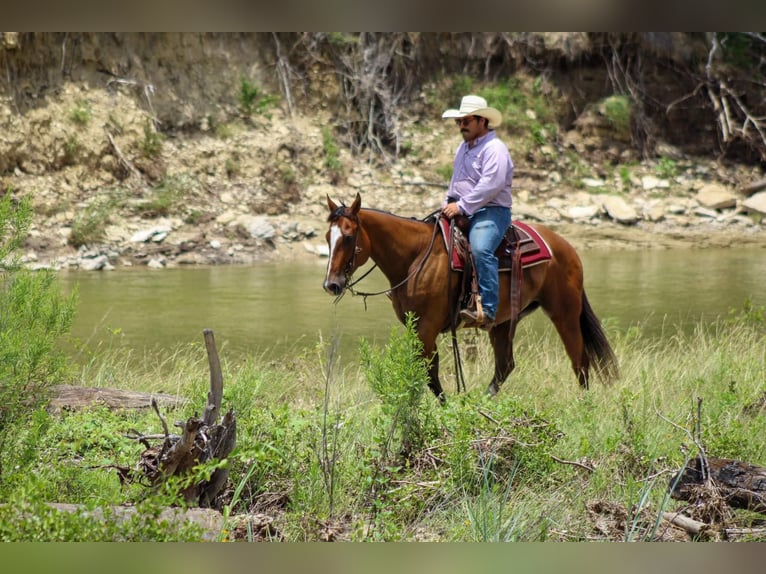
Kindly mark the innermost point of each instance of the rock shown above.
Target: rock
(581, 212)
(619, 210)
(650, 182)
(98, 263)
(591, 182)
(654, 213)
(715, 196)
(704, 212)
(756, 203)
(155, 234)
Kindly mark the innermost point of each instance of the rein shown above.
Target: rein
(350, 285)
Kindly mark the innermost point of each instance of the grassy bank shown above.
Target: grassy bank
(365, 453)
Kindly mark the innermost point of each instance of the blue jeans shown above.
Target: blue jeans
(488, 226)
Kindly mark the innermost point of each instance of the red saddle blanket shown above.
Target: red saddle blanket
(533, 247)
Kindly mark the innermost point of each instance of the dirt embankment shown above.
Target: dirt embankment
(126, 166)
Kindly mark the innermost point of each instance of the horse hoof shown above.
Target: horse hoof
(492, 389)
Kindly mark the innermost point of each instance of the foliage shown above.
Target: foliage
(89, 225)
(72, 148)
(252, 99)
(15, 219)
(82, 114)
(164, 198)
(151, 145)
(404, 467)
(34, 315)
(398, 377)
(331, 155)
(666, 168)
(617, 110)
(528, 108)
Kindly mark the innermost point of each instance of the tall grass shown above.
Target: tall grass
(357, 453)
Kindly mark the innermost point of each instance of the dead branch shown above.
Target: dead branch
(201, 441)
(574, 463)
(215, 395)
(754, 187)
(123, 160)
(693, 527)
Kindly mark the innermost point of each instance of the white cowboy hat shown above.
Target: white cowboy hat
(476, 106)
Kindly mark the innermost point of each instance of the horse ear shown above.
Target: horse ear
(357, 204)
(331, 204)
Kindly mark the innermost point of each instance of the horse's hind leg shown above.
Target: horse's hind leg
(568, 326)
(502, 345)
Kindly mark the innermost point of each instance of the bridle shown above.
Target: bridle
(348, 270)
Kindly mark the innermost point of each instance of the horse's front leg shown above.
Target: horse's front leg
(502, 345)
(433, 378)
(431, 355)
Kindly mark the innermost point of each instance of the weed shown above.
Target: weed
(72, 148)
(331, 155)
(89, 225)
(151, 145)
(164, 199)
(617, 110)
(398, 376)
(232, 166)
(252, 100)
(81, 115)
(666, 168)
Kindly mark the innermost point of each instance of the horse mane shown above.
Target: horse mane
(340, 211)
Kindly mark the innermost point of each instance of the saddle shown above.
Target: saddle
(532, 247)
(521, 247)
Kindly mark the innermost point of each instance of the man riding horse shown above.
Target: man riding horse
(480, 189)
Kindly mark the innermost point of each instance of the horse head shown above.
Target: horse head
(345, 240)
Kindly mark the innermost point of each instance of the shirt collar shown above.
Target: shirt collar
(481, 140)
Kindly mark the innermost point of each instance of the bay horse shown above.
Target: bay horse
(416, 264)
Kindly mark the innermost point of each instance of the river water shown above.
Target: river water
(279, 309)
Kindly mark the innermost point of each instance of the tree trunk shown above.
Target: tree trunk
(742, 485)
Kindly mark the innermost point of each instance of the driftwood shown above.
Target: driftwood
(72, 398)
(201, 441)
(740, 484)
(754, 187)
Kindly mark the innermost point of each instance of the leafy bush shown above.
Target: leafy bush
(618, 110)
(252, 99)
(151, 145)
(398, 376)
(82, 113)
(34, 315)
(331, 155)
(89, 225)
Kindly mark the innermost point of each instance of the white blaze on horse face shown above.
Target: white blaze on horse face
(336, 236)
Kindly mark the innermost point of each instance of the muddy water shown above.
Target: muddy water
(281, 309)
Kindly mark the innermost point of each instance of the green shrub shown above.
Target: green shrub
(151, 145)
(331, 155)
(34, 315)
(666, 168)
(252, 99)
(617, 110)
(398, 375)
(82, 113)
(89, 225)
(164, 199)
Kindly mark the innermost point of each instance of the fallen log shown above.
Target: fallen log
(73, 398)
(740, 484)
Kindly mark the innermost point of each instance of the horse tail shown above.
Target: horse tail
(597, 347)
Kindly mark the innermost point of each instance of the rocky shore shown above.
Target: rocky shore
(256, 190)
